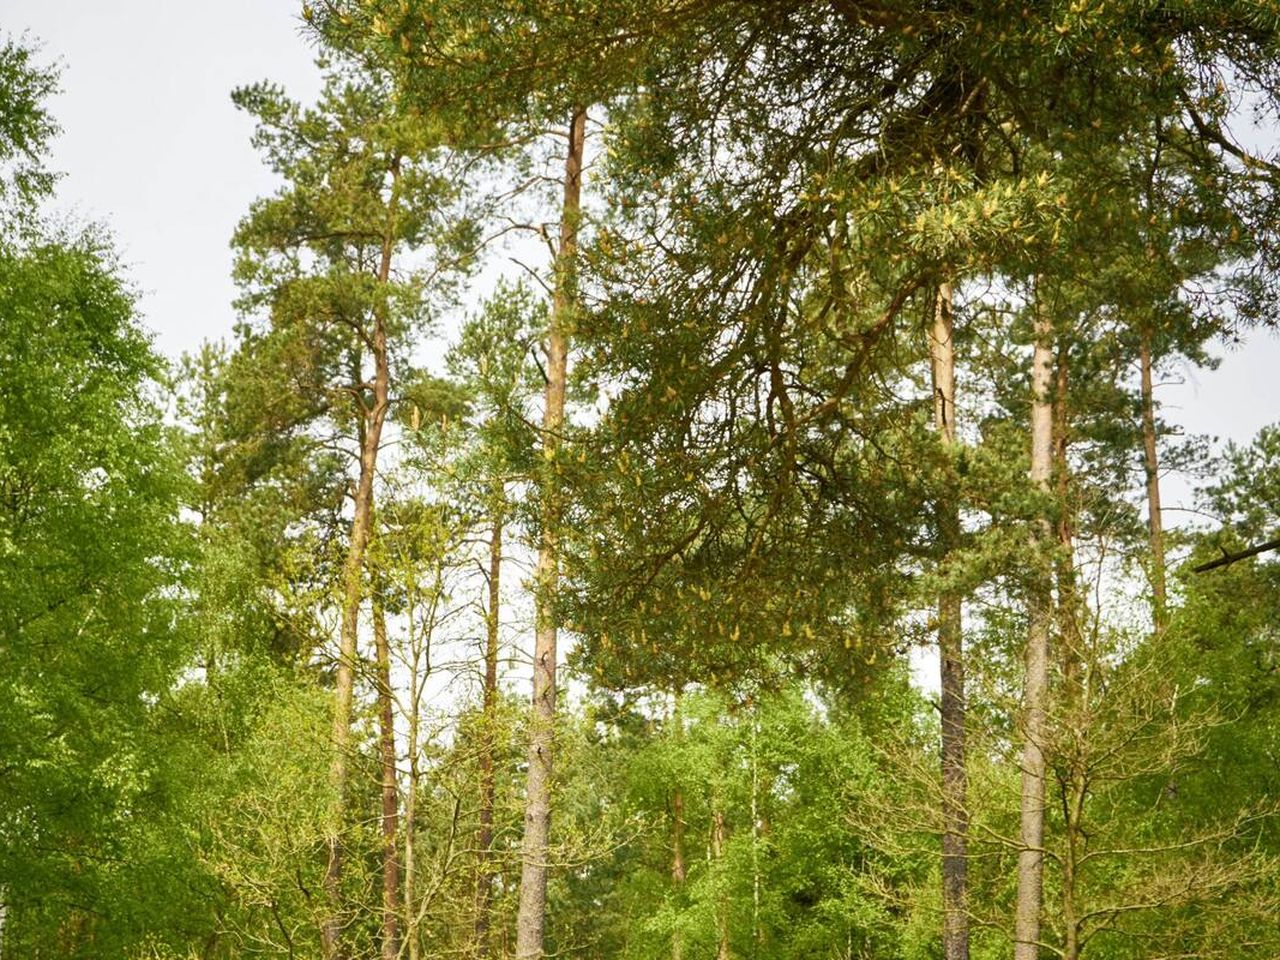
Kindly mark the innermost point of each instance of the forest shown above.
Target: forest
(685, 484)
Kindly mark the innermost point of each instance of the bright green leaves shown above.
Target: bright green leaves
(91, 559)
(787, 880)
(25, 129)
(92, 568)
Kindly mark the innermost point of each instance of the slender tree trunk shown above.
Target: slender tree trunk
(531, 915)
(1069, 612)
(484, 843)
(410, 822)
(1155, 521)
(679, 872)
(955, 817)
(390, 789)
(331, 932)
(372, 419)
(1036, 681)
(1073, 758)
(757, 931)
(719, 836)
(1073, 785)
(1073, 810)
(421, 628)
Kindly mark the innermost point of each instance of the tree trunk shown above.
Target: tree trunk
(1155, 521)
(420, 628)
(371, 419)
(1069, 613)
(1072, 757)
(484, 842)
(1073, 797)
(955, 817)
(679, 871)
(719, 836)
(1036, 681)
(532, 911)
(410, 821)
(757, 819)
(390, 790)
(331, 932)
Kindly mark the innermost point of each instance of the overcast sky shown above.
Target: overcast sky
(153, 148)
(152, 145)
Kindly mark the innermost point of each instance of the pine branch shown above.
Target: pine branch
(1229, 558)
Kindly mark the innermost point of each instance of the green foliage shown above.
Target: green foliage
(92, 559)
(757, 517)
(25, 130)
(790, 880)
(368, 225)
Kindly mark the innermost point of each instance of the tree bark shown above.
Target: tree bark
(1155, 521)
(532, 911)
(757, 932)
(410, 820)
(371, 419)
(331, 932)
(1068, 610)
(484, 842)
(1036, 681)
(955, 818)
(1072, 757)
(390, 788)
(420, 627)
(679, 871)
(719, 836)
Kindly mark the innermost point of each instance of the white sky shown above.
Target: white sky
(152, 145)
(153, 148)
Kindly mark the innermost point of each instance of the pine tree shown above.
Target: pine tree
(361, 189)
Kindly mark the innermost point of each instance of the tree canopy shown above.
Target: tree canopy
(770, 390)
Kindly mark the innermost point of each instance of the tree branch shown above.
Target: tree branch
(1229, 558)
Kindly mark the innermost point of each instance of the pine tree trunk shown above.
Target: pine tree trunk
(955, 818)
(331, 931)
(757, 931)
(410, 823)
(1071, 656)
(372, 419)
(1072, 851)
(679, 871)
(1036, 681)
(484, 842)
(1068, 611)
(390, 789)
(1155, 521)
(719, 836)
(420, 627)
(532, 911)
